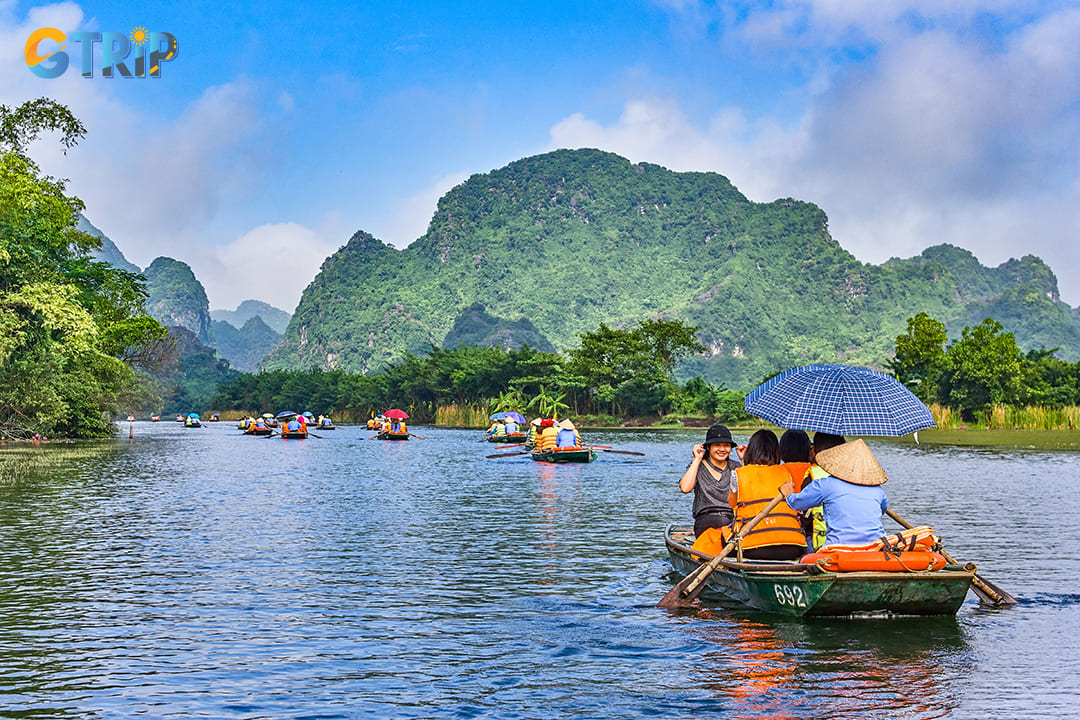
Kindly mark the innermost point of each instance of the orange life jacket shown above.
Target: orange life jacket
(758, 485)
(797, 470)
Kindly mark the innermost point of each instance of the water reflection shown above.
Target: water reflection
(206, 574)
(897, 668)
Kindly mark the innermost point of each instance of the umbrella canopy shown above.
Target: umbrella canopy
(287, 413)
(308, 414)
(268, 415)
(193, 415)
(509, 415)
(839, 399)
(396, 414)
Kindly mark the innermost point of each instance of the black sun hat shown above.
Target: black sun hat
(718, 434)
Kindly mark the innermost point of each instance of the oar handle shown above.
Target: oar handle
(693, 590)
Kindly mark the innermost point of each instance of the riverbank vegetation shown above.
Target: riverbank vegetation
(627, 377)
(75, 340)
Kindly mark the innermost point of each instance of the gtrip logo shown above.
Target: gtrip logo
(145, 51)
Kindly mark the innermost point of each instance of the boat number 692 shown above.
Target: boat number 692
(790, 595)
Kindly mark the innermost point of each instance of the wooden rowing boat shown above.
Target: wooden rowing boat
(392, 436)
(508, 438)
(806, 590)
(560, 455)
(293, 434)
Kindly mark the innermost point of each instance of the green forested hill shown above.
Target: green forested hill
(277, 320)
(178, 298)
(244, 348)
(573, 238)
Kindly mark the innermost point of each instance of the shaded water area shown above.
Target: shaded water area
(200, 573)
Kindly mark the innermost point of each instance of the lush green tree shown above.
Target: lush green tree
(982, 369)
(920, 355)
(68, 324)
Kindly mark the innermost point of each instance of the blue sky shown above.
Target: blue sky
(281, 128)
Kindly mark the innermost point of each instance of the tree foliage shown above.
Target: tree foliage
(68, 325)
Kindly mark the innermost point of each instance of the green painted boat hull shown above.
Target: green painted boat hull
(564, 456)
(393, 436)
(512, 438)
(805, 591)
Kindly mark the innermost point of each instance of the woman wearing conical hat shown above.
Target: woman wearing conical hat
(851, 494)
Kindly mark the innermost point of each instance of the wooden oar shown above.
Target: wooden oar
(599, 447)
(988, 593)
(621, 452)
(314, 435)
(499, 455)
(503, 447)
(272, 434)
(691, 586)
(417, 437)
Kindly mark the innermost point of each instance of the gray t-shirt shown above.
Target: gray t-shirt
(710, 494)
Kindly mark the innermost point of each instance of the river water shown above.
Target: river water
(205, 574)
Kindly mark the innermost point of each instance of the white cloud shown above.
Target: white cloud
(272, 263)
(934, 139)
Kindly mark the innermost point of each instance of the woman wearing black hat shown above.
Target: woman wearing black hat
(709, 476)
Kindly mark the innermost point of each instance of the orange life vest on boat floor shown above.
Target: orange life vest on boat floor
(758, 485)
(875, 560)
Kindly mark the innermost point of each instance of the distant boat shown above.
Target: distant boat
(155, 418)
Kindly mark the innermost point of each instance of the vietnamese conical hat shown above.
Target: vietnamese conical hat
(852, 462)
(567, 425)
(536, 422)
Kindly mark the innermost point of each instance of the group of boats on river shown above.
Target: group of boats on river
(886, 577)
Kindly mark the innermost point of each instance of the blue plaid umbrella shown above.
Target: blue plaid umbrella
(839, 399)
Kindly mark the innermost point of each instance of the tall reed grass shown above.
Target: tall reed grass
(462, 415)
(1008, 417)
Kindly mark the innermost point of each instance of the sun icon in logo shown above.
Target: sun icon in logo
(139, 36)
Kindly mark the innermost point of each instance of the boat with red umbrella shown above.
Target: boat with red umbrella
(396, 429)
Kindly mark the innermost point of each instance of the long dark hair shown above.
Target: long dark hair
(795, 446)
(763, 449)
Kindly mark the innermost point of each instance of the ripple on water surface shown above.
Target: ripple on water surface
(200, 573)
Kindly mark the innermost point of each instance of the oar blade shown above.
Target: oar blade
(990, 594)
(677, 597)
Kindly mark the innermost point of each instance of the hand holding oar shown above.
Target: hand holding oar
(691, 586)
(988, 593)
(499, 455)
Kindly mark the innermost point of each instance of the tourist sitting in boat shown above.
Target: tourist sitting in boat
(568, 435)
(548, 433)
(709, 477)
(850, 495)
(510, 427)
(814, 518)
(795, 452)
(497, 429)
(295, 425)
(779, 535)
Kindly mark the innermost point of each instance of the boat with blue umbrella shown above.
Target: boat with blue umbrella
(191, 420)
(842, 581)
(507, 436)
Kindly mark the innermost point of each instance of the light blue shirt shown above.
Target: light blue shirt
(852, 512)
